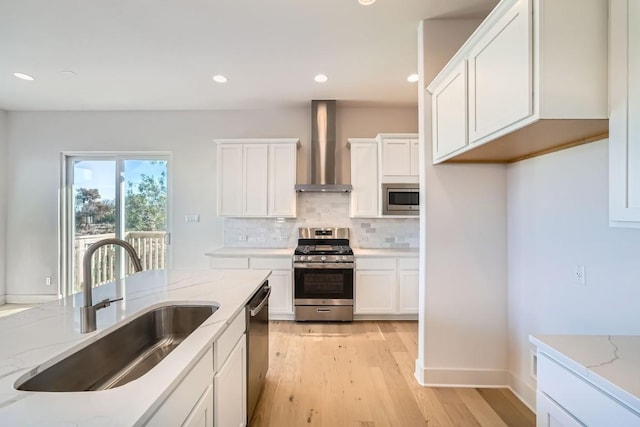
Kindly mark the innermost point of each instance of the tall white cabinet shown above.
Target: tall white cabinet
(364, 178)
(256, 177)
(624, 122)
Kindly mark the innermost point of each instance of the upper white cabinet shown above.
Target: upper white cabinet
(398, 158)
(624, 123)
(364, 178)
(256, 177)
(449, 113)
(531, 79)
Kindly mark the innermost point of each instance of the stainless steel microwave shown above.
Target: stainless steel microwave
(400, 199)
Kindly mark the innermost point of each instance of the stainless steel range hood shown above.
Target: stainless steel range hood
(323, 150)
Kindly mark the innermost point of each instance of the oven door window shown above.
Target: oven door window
(317, 283)
(403, 198)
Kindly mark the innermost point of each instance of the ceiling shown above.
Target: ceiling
(162, 54)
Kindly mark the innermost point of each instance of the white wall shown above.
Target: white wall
(3, 199)
(463, 321)
(558, 217)
(36, 139)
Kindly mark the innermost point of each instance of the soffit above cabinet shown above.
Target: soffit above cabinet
(530, 80)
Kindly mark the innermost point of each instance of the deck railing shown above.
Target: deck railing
(149, 245)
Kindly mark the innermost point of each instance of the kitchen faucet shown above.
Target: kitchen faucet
(88, 310)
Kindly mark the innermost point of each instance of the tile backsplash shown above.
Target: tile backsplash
(321, 210)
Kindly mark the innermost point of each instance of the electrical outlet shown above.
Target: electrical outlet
(242, 238)
(192, 218)
(47, 281)
(579, 274)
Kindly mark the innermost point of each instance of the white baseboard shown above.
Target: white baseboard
(523, 391)
(30, 299)
(3, 300)
(461, 377)
(385, 317)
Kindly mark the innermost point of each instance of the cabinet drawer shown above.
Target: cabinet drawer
(588, 404)
(376, 263)
(229, 263)
(270, 263)
(223, 345)
(408, 263)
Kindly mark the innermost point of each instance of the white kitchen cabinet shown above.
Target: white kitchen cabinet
(550, 414)
(449, 113)
(282, 179)
(624, 122)
(501, 73)
(398, 158)
(202, 414)
(256, 177)
(186, 401)
(230, 384)
(532, 86)
(408, 291)
(281, 282)
(571, 399)
(375, 292)
(364, 178)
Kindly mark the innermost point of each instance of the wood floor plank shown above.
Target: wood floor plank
(360, 374)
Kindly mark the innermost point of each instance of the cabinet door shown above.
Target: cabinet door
(408, 291)
(550, 414)
(281, 299)
(375, 292)
(501, 74)
(256, 157)
(624, 122)
(231, 388)
(202, 414)
(282, 180)
(449, 113)
(396, 157)
(364, 179)
(230, 179)
(415, 157)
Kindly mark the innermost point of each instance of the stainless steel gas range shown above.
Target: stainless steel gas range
(323, 275)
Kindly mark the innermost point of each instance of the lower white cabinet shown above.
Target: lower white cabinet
(375, 292)
(281, 279)
(202, 414)
(386, 286)
(230, 384)
(567, 398)
(186, 403)
(550, 414)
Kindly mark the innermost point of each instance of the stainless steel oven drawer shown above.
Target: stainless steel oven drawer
(324, 313)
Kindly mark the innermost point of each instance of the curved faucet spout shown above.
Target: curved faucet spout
(88, 311)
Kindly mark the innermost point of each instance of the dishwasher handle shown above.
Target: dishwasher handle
(254, 311)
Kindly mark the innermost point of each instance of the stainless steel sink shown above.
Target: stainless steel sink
(123, 355)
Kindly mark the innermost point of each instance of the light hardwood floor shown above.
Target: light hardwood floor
(361, 374)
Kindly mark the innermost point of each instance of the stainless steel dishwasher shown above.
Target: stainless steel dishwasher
(257, 313)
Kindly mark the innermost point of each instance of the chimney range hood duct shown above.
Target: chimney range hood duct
(323, 150)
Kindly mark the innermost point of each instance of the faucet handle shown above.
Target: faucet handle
(105, 303)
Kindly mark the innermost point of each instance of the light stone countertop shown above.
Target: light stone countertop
(385, 252)
(266, 252)
(612, 362)
(52, 330)
(250, 252)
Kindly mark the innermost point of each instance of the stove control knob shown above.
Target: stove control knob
(301, 257)
(323, 258)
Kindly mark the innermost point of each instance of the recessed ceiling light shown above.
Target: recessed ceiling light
(366, 2)
(69, 73)
(24, 76)
(413, 78)
(219, 78)
(321, 78)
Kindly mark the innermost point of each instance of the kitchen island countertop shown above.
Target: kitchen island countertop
(52, 330)
(611, 362)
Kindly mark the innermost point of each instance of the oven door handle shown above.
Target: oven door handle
(324, 265)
